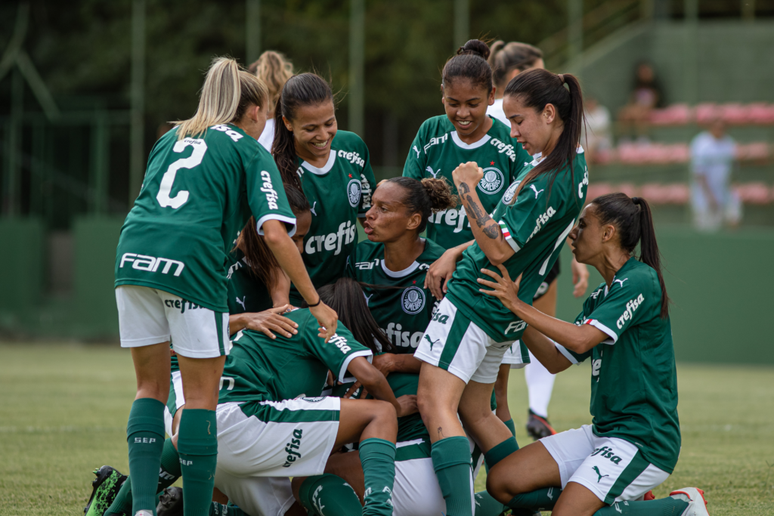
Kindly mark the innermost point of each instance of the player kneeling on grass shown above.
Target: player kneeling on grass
(633, 442)
(272, 422)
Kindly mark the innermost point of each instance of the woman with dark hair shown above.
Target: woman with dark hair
(272, 421)
(508, 61)
(633, 442)
(331, 167)
(464, 344)
(465, 133)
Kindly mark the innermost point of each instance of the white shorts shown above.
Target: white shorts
(292, 438)
(611, 468)
(455, 343)
(516, 355)
(175, 400)
(416, 491)
(148, 316)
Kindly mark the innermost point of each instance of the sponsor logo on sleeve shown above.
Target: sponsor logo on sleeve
(631, 307)
(413, 300)
(504, 148)
(492, 182)
(352, 157)
(583, 183)
(341, 343)
(268, 189)
(292, 448)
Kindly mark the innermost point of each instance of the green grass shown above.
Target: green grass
(64, 410)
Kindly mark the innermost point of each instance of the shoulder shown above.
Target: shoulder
(347, 139)
(367, 251)
(431, 253)
(639, 282)
(594, 298)
(435, 126)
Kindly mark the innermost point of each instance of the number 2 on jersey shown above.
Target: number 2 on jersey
(199, 148)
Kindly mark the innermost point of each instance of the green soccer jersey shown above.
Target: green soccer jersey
(197, 194)
(633, 375)
(403, 307)
(338, 193)
(263, 369)
(246, 293)
(437, 150)
(535, 225)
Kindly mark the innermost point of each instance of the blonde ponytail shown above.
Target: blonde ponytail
(226, 94)
(274, 70)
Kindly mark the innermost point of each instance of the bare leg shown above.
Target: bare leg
(438, 397)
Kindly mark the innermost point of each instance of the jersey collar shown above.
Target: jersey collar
(405, 272)
(469, 146)
(324, 170)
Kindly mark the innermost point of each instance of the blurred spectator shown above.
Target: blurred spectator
(274, 69)
(646, 95)
(596, 139)
(712, 158)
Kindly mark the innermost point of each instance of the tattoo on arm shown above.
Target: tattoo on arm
(491, 231)
(480, 217)
(464, 188)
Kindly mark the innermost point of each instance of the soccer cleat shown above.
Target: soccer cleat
(170, 502)
(104, 490)
(697, 505)
(538, 427)
(649, 496)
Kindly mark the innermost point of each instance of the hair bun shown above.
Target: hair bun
(475, 47)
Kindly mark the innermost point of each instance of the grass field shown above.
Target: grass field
(64, 411)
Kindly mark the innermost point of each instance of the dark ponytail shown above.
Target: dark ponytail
(304, 89)
(536, 88)
(263, 264)
(348, 300)
(469, 63)
(634, 223)
(426, 196)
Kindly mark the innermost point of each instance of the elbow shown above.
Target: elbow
(554, 368)
(273, 235)
(497, 257)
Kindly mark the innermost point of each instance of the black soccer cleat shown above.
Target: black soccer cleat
(538, 427)
(104, 490)
(170, 502)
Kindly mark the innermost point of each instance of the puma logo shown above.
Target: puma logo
(620, 281)
(242, 302)
(312, 208)
(431, 341)
(417, 151)
(600, 475)
(368, 298)
(537, 192)
(550, 493)
(434, 174)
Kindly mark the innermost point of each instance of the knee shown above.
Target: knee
(500, 486)
(383, 413)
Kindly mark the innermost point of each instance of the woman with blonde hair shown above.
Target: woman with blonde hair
(274, 69)
(203, 181)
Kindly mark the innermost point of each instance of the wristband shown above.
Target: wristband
(319, 300)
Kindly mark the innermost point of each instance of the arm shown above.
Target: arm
(441, 270)
(545, 351)
(286, 252)
(579, 339)
(375, 383)
(486, 231)
(266, 322)
(392, 363)
(280, 296)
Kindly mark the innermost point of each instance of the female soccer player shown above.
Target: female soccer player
(272, 422)
(465, 134)
(633, 442)
(203, 180)
(274, 70)
(464, 344)
(332, 167)
(508, 61)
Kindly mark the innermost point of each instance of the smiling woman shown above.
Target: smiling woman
(331, 167)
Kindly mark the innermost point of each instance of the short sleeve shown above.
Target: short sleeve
(522, 220)
(628, 300)
(416, 159)
(367, 183)
(573, 357)
(266, 194)
(339, 351)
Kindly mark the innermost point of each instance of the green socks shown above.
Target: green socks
(327, 494)
(145, 437)
(500, 451)
(486, 505)
(219, 509)
(197, 444)
(378, 459)
(168, 473)
(511, 426)
(663, 507)
(451, 462)
(538, 500)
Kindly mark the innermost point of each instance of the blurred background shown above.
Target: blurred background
(680, 110)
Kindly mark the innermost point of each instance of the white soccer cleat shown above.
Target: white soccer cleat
(697, 505)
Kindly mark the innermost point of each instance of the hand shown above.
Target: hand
(385, 363)
(352, 390)
(270, 320)
(440, 272)
(327, 319)
(503, 288)
(580, 278)
(469, 173)
(408, 405)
